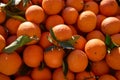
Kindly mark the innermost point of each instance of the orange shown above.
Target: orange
(44, 43)
(80, 43)
(92, 6)
(85, 76)
(2, 16)
(60, 31)
(108, 7)
(77, 61)
(41, 74)
(116, 39)
(3, 31)
(10, 39)
(4, 77)
(53, 6)
(95, 49)
(54, 57)
(70, 15)
(35, 14)
(53, 20)
(100, 18)
(23, 78)
(86, 21)
(59, 75)
(29, 29)
(2, 42)
(113, 58)
(10, 63)
(107, 77)
(110, 25)
(33, 55)
(95, 34)
(100, 68)
(117, 74)
(12, 25)
(74, 31)
(77, 4)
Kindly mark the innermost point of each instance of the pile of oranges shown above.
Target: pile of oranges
(71, 40)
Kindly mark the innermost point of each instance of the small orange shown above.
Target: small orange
(117, 74)
(86, 21)
(10, 63)
(41, 74)
(2, 42)
(29, 29)
(95, 34)
(12, 25)
(77, 4)
(100, 68)
(85, 76)
(3, 31)
(70, 15)
(33, 55)
(53, 6)
(77, 61)
(60, 31)
(110, 25)
(59, 75)
(53, 20)
(44, 43)
(23, 78)
(116, 38)
(108, 7)
(92, 6)
(54, 58)
(95, 49)
(80, 43)
(107, 77)
(4, 77)
(2, 16)
(113, 58)
(35, 14)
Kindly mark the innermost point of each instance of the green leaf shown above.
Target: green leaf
(25, 2)
(19, 42)
(53, 35)
(50, 48)
(66, 45)
(74, 39)
(19, 18)
(42, 66)
(65, 68)
(108, 40)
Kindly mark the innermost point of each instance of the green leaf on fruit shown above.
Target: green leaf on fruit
(65, 68)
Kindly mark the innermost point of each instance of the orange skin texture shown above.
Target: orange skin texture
(54, 58)
(117, 74)
(108, 7)
(92, 6)
(52, 6)
(2, 42)
(29, 29)
(116, 38)
(35, 14)
(3, 31)
(113, 58)
(59, 75)
(53, 20)
(85, 76)
(44, 74)
(4, 77)
(10, 63)
(74, 31)
(107, 77)
(86, 21)
(77, 4)
(33, 55)
(70, 15)
(12, 29)
(60, 31)
(110, 25)
(100, 68)
(23, 78)
(77, 61)
(44, 43)
(2, 16)
(95, 34)
(10, 39)
(95, 49)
